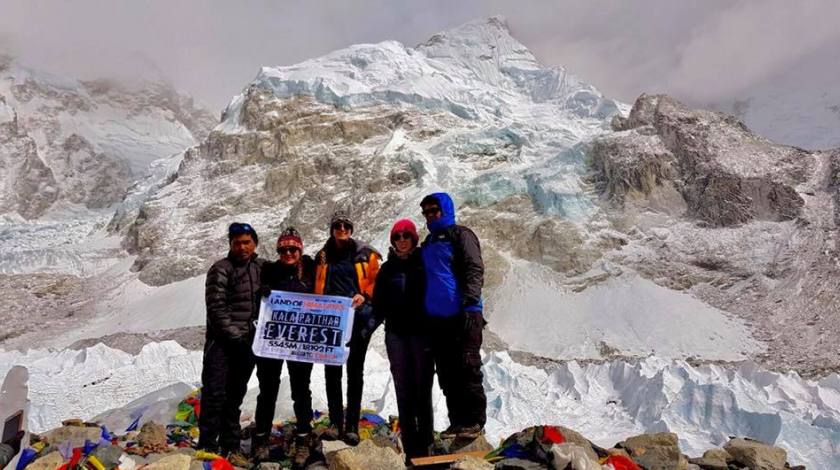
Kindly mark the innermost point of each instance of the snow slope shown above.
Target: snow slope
(606, 402)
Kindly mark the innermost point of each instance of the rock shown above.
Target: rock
(366, 456)
(48, 462)
(471, 463)
(669, 149)
(519, 464)
(269, 466)
(451, 446)
(756, 455)
(152, 436)
(660, 451)
(73, 422)
(199, 465)
(577, 438)
(109, 455)
(171, 462)
(186, 451)
(329, 448)
(713, 459)
(77, 435)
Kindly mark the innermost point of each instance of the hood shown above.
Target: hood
(447, 208)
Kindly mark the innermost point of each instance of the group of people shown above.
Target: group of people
(428, 296)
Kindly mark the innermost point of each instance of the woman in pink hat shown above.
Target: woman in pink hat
(398, 300)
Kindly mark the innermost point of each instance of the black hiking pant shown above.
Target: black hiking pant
(226, 369)
(413, 370)
(457, 358)
(355, 384)
(268, 373)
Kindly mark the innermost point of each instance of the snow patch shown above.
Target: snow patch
(532, 311)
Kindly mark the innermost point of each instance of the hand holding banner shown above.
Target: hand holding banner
(304, 328)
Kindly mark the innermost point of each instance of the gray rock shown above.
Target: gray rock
(48, 462)
(171, 462)
(366, 456)
(269, 466)
(756, 455)
(519, 464)
(109, 455)
(77, 435)
(659, 451)
(713, 459)
(152, 436)
(471, 463)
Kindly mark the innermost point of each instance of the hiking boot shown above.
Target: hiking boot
(302, 451)
(451, 432)
(259, 447)
(470, 432)
(351, 438)
(238, 459)
(331, 434)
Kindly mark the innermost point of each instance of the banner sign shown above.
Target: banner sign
(304, 328)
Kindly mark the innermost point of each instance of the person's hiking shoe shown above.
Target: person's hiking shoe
(351, 438)
(451, 432)
(302, 451)
(238, 459)
(259, 447)
(331, 434)
(469, 432)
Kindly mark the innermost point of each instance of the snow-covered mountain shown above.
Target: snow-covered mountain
(84, 143)
(608, 232)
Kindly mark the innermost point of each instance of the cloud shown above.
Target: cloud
(700, 51)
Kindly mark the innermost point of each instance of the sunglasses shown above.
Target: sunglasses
(287, 250)
(431, 211)
(237, 228)
(342, 226)
(401, 236)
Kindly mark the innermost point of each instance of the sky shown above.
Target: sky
(701, 51)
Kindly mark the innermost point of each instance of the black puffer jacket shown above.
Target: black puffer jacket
(297, 278)
(232, 299)
(398, 295)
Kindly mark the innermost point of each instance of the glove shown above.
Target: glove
(473, 320)
(368, 327)
(264, 291)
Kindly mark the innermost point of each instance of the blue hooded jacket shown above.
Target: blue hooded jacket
(453, 265)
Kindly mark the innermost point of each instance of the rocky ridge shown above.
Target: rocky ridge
(537, 447)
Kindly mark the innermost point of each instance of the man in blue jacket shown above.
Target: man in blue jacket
(454, 278)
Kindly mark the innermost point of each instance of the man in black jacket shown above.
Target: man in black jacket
(232, 299)
(454, 279)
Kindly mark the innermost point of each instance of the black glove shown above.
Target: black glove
(264, 291)
(369, 325)
(473, 319)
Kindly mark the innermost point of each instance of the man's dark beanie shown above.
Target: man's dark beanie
(429, 201)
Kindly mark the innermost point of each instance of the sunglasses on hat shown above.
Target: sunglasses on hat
(287, 249)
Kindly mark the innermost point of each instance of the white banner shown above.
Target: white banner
(304, 328)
